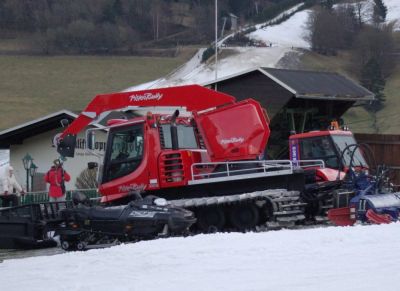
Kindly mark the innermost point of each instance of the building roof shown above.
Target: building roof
(311, 84)
(314, 84)
(17, 134)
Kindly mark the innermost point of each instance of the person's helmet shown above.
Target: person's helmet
(10, 168)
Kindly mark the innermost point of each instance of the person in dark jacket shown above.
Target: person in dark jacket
(57, 177)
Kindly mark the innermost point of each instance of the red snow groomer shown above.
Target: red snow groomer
(202, 152)
(357, 194)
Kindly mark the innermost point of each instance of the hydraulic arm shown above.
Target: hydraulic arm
(192, 97)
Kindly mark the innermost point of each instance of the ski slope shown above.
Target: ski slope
(285, 37)
(356, 258)
(239, 59)
(292, 33)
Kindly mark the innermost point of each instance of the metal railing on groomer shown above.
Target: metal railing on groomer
(309, 164)
(225, 171)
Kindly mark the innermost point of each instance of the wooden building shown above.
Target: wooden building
(296, 101)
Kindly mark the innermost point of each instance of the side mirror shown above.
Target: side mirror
(92, 165)
(91, 139)
(66, 146)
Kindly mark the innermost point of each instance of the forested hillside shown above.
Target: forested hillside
(364, 44)
(112, 26)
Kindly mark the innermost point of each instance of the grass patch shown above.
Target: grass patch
(32, 86)
(11, 42)
(339, 63)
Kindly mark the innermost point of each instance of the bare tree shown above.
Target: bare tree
(326, 35)
(360, 11)
(347, 25)
(375, 43)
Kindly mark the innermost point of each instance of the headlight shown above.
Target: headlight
(160, 202)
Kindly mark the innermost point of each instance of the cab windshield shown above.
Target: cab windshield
(125, 152)
(329, 149)
(342, 141)
(319, 148)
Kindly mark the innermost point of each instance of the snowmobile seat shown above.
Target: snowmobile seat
(109, 213)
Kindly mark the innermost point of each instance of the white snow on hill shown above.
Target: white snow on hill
(393, 13)
(264, 24)
(335, 258)
(290, 33)
(284, 37)
(238, 60)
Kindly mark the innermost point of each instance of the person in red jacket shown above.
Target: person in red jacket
(57, 177)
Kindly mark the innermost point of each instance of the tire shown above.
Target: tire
(210, 219)
(65, 245)
(244, 217)
(80, 246)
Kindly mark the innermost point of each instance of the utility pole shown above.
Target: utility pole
(216, 44)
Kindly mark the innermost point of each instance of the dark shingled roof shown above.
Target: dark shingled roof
(17, 134)
(318, 85)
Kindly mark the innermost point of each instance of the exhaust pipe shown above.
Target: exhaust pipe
(174, 131)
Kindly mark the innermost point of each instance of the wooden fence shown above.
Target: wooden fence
(386, 149)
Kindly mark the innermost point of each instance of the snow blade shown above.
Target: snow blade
(376, 218)
(340, 216)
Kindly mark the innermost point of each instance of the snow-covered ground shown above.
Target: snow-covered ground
(291, 33)
(334, 258)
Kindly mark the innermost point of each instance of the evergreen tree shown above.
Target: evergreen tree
(372, 79)
(328, 4)
(380, 11)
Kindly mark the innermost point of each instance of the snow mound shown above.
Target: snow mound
(334, 258)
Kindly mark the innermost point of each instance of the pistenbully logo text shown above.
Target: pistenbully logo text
(232, 140)
(145, 97)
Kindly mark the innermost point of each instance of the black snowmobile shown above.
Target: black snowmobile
(86, 227)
